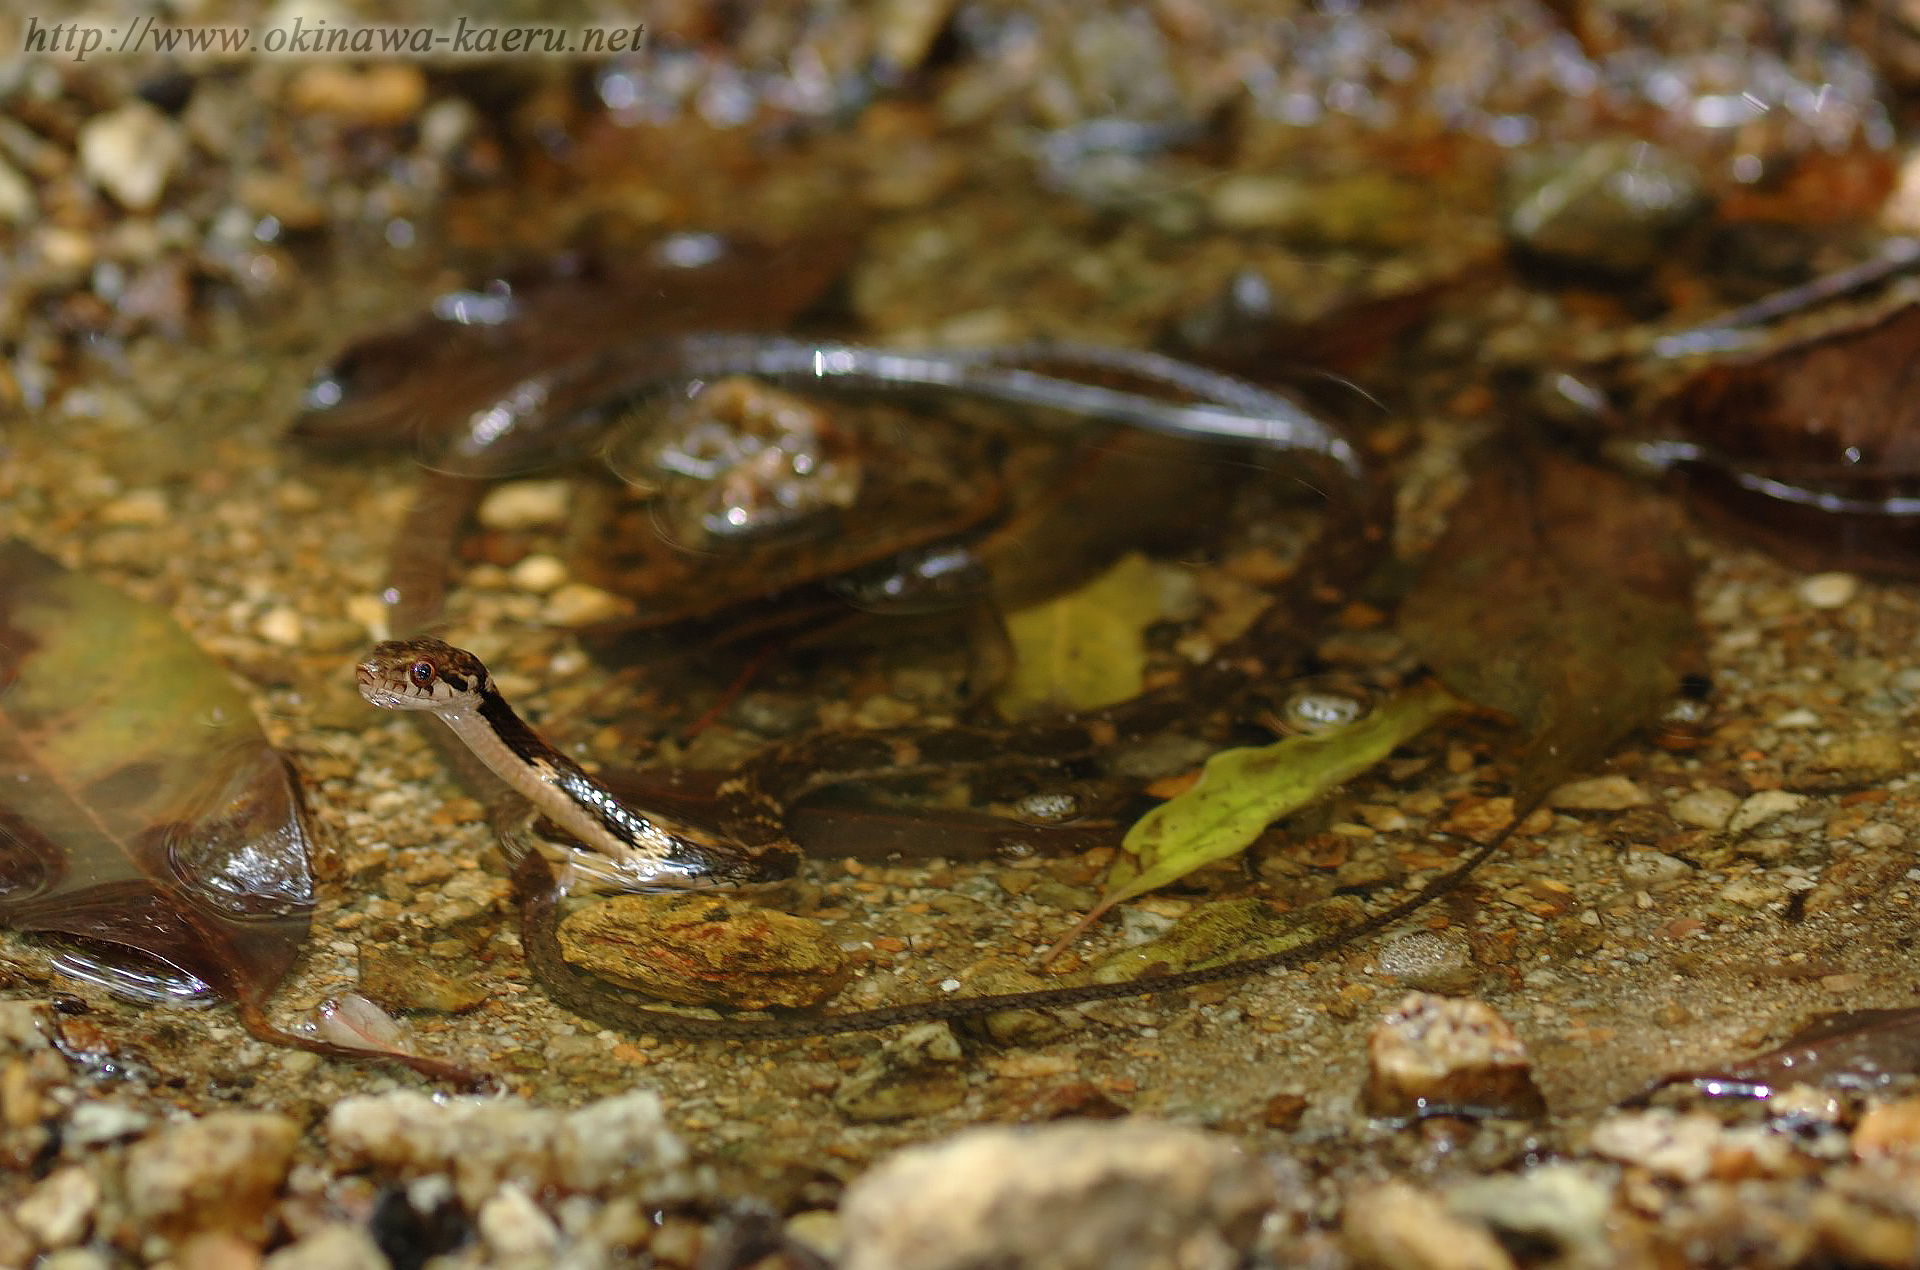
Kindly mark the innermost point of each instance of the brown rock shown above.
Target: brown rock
(1399, 1227)
(218, 1172)
(705, 950)
(1441, 1055)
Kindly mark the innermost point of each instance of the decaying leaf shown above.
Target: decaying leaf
(1087, 648)
(1563, 596)
(1854, 1049)
(1812, 447)
(142, 812)
(1242, 791)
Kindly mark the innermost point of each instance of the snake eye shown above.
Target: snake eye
(421, 672)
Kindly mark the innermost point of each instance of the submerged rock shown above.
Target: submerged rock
(1448, 1056)
(1611, 207)
(705, 950)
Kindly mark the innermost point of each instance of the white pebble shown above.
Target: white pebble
(16, 196)
(539, 574)
(1801, 718)
(513, 1226)
(1829, 590)
(577, 604)
(1598, 793)
(136, 507)
(130, 153)
(525, 504)
(1705, 808)
(1759, 808)
(281, 626)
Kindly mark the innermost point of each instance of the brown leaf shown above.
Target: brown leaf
(1812, 447)
(1563, 596)
(141, 807)
(142, 812)
(1853, 1049)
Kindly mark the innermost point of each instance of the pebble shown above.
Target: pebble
(577, 604)
(1612, 206)
(16, 196)
(921, 1072)
(334, 1247)
(538, 574)
(482, 1142)
(1073, 1195)
(1435, 961)
(1766, 805)
(136, 507)
(1395, 1226)
(706, 950)
(514, 1228)
(1598, 793)
(382, 94)
(1563, 1207)
(218, 1172)
(1891, 1128)
(59, 1208)
(94, 1124)
(281, 626)
(526, 504)
(1705, 808)
(1448, 1055)
(1665, 1143)
(130, 153)
(1829, 590)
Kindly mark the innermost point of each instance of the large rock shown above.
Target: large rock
(1108, 1195)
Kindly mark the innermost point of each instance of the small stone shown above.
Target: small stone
(1598, 793)
(283, 197)
(1559, 1206)
(1610, 207)
(218, 1172)
(919, 1073)
(538, 574)
(526, 504)
(1075, 1195)
(1829, 590)
(1892, 1128)
(1705, 808)
(1434, 961)
(16, 197)
(58, 1210)
(577, 604)
(514, 1228)
(1766, 805)
(621, 1143)
(706, 950)
(1435, 1055)
(335, 1247)
(1880, 835)
(94, 1124)
(137, 507)
(1870, 757)
(130, 153)
(1395, 1226)
(281, 626)
(383, 94)
(1665, 1143)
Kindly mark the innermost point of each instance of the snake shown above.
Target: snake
(653, 850)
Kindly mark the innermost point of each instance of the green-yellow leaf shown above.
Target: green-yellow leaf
(1087, 648)
(1242, 791)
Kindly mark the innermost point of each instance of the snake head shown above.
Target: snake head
(422, 674)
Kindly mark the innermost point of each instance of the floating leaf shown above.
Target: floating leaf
(1561, 595)
(1085, 649)
(142, 811)
(1242, 791)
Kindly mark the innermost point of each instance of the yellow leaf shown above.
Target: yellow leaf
(1085, 649)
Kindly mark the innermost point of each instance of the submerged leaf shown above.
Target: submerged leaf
(1812, 447)
(1854, 1049)
(1085, 649)
(141, 808)
(1561, 595)
(1242, 791)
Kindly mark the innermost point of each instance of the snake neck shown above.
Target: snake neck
(650, 851)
